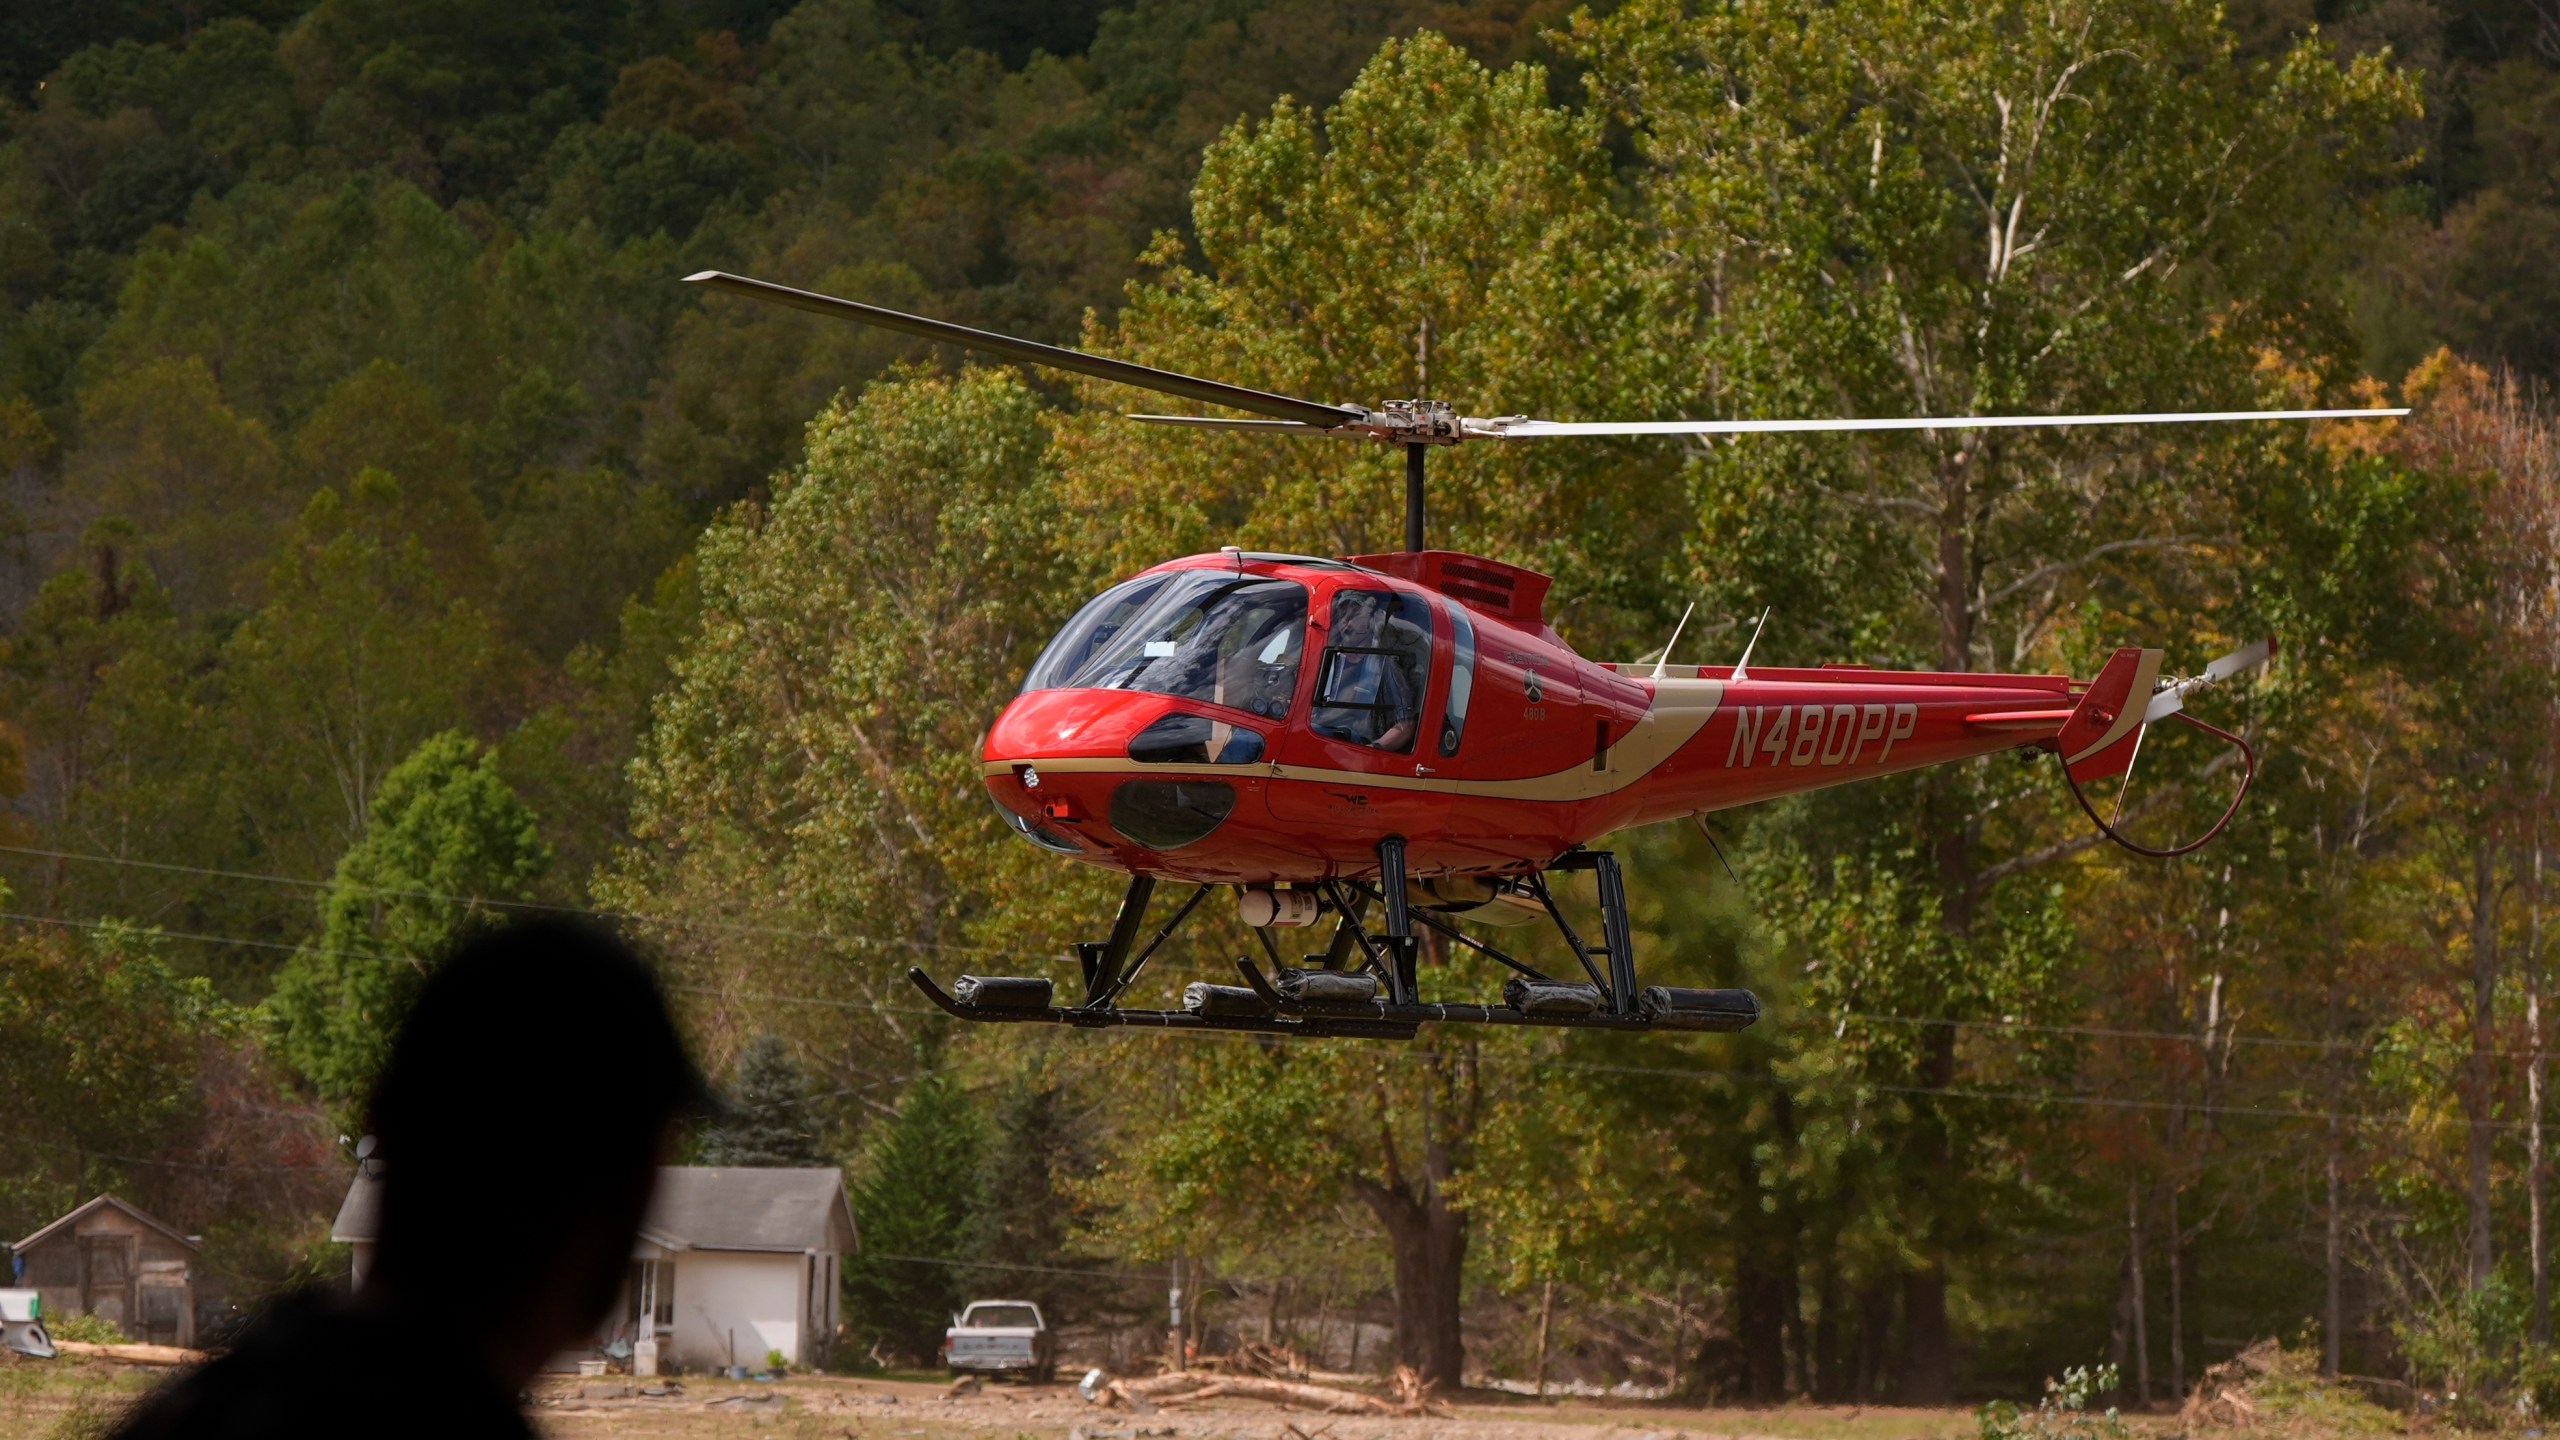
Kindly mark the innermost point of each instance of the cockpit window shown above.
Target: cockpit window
(1207, 635)
(1095, 626)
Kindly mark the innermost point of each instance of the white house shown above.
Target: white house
(731, 1264)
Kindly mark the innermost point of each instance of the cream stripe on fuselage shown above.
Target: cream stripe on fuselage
(1680, 709)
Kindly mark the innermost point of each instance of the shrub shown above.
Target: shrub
(88, 1330)
(2063, 1413)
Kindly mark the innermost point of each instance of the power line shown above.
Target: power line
(438, 897)
(1745, 1077)
(841, 937)
(166, 1164)
(2366, 1047)
(2038, 1097)
(1403, 1056)
(1002, 1265)
(155, 932)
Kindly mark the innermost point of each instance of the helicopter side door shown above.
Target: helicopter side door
(1372, 707)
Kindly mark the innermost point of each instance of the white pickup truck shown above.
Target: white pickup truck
(995, 1337)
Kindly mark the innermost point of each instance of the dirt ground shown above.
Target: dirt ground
(38, 1400)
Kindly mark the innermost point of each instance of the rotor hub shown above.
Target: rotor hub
(1412, 422)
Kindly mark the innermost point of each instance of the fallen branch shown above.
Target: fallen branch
(1136, 1400)
(131, 1354)
(1289, 1392)
(1162, 1385)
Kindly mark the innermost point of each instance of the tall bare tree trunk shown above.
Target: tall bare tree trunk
(2177, 1151)
(2182, 1244)
(2141, 1326)
(2332, 1308)
(2177, 1296)
(1928, 1356)
(2479, 1099)
(1429, 1240)
(2536, 1175)
(1546, 1324)
(2333, 1257)
(1426, 1234)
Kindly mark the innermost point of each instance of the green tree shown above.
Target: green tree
(359, 655)
(109, 1040)
(445, 839)
(162, 450)
(769, 1123)
(916, 1199)
(1039, 1151)
(807, 810)
(101, 683)
(1889, 209)
(1439, 191)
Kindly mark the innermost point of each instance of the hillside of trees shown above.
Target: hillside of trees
(393, 542)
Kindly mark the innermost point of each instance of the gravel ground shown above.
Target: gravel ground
(845, 1409)
(41, 1399)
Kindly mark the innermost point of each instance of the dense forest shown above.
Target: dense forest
(393, 544)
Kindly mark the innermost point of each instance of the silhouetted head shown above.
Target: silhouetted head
(1356, 616)
(520, 1120)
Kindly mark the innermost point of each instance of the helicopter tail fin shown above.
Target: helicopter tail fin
(2103, 732)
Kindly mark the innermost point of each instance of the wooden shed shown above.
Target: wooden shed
(114, 1261)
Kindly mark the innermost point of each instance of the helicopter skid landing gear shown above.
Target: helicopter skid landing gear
(1376, 998)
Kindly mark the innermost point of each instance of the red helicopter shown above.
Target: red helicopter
(1402, 743)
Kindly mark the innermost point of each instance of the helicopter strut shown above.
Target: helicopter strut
(1379, 997)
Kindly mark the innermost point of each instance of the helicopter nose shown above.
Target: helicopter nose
(1070, 724)
(1072, 768)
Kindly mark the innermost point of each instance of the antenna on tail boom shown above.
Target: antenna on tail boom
(1665, 658)
(1742, 667)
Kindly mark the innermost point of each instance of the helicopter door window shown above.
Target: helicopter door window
(1376, 661)
(1208, 635)
(1462, 680)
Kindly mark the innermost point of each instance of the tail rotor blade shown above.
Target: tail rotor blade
(2247, 657)
(2172, 698)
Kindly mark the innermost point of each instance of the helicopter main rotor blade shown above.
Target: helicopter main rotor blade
(1032, 352)
(1219, 422)
(1507, 429)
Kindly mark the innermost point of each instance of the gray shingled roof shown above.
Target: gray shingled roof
(77, 1211)
(704, 1208)
(697, 1208)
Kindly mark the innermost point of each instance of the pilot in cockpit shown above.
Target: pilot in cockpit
(1369, 700)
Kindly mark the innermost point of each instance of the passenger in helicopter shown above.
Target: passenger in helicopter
(1368, 698)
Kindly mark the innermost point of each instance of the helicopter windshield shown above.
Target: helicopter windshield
(1208, 635)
